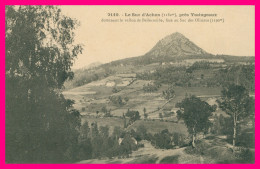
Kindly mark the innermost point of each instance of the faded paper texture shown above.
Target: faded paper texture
(130, 84)
(134, 39)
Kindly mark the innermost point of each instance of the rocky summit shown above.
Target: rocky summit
(175, 44)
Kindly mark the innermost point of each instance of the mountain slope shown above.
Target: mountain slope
(175, 45)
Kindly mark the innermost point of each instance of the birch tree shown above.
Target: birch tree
(237, 103)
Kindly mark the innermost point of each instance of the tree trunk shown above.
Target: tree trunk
(193, 141)
(235, 132)
(193, 137)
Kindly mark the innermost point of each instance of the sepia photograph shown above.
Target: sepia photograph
(89, 84)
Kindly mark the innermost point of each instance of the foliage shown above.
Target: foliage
(243, 75)
(200, 148)
(141, 133)
(169, 75)
(41, 124)
(198, 65)
(104, 109)
(145, 114)
(118, 100)
(222, 125)
(85, 76)
(115, 90)
(170, 160)
(199, 75)
(96, 142)
(195, 114)
(162, 140)
(246, 156)
(169, 93)
(168, 114)
(179, 115)
(235, 101)
(150, 87)
(160, 115)
(236, 98)
(179, 139)
(133, 115)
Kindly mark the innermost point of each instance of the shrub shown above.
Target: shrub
(140, 145)
(200, 148)
(247, 156)
(151, 87)
(170, 160)
(162, 140)
(115, 90)
(178, 139)
(133, 115)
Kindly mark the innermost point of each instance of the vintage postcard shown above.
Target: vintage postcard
(130, 84)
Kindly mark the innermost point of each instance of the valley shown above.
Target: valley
(151, 87)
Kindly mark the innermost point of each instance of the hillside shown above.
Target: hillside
(174, 45)
(193, 72)
(151, 85)
(218, 152)
(173, 50)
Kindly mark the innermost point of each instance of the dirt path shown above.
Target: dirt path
(142, 155)
(160, 107)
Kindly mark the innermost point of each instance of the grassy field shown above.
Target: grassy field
(156, 126)
(93, 96)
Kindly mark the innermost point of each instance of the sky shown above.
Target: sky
(108, 41)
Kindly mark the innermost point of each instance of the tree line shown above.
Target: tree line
(185, 76)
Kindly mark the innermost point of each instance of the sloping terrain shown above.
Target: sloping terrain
(216, 151)
(92, 97)
(103, 94)
(175, 45)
